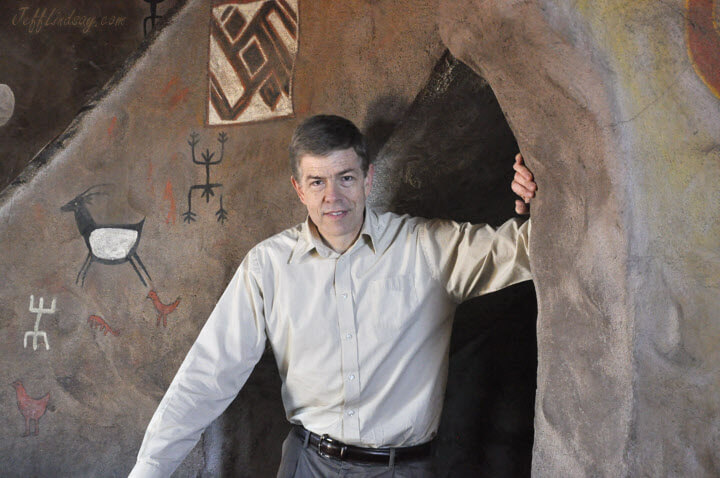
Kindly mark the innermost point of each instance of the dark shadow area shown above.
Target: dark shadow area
(246, 440)
(56, 71)
(451, 156)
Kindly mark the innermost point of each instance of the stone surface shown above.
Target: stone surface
(618, 119)
(57, 63)
(7, 104)
(615, 106)
(444, 149)
(128, 151)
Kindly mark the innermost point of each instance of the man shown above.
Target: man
(358, 308)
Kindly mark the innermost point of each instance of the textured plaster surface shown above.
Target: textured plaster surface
(53, 70)
(133, 139)
(622, 136)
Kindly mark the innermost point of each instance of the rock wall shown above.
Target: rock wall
(185, 166)
(615, 105)
(56, 55)
(100, 344)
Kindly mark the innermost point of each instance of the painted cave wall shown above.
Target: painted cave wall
(184, 152)
(179, 141)
(55, 56)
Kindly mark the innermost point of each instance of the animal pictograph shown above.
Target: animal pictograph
(110, 244)
(207, 188)
(163, 310)
(32, 409)
(39, 311)
(97, 322)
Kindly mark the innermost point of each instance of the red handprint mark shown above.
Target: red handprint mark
(703, 42)
(96, 321)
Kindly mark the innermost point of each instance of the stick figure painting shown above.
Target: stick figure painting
(106, 243)
(208, 187)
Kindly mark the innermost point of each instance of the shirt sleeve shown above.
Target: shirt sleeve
(475, 259)
(216, 367)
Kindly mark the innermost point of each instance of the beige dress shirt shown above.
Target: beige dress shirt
(361, 338)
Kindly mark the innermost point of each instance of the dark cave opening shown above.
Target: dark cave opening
(451, 156)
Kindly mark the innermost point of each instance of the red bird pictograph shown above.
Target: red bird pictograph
(31, 408)
(162, 309)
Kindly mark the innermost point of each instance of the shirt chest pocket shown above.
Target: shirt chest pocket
(390, 302)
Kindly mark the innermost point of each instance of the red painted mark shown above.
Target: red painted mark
(179, 97)
(703, 42)
(111, 128)
(96, 321)
(30, 408)
(38, 213)
(163, 310)
(169, 196)
(169, 85)
(177, 93)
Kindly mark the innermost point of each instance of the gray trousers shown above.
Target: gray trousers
(299, 461)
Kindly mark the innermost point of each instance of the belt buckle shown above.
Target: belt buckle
(326, 444)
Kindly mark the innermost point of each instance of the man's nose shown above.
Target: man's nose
(332, 191)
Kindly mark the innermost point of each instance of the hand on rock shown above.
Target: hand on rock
(523, 185)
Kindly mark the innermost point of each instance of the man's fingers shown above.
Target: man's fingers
(528, 184)
(523, 171)
(523, 185)
(522, 191)
(521, 207)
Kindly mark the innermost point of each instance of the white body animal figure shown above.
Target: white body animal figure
(106, 243)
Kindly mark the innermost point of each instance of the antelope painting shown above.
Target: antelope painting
(107, 243)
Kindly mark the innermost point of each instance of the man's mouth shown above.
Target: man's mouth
(335, 213)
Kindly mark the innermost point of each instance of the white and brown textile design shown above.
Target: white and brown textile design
(252, 54)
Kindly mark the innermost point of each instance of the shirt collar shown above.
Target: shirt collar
(309, 241)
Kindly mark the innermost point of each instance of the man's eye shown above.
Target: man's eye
(348, 178)
(317, 182)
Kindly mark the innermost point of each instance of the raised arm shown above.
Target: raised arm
(475, 259)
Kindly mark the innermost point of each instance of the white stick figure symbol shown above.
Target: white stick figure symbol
(35, 333)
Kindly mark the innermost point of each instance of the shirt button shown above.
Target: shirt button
(348, 336)
(350, 413)
(351, 377)
(344, 295)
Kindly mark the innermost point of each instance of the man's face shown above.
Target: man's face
(334, 188)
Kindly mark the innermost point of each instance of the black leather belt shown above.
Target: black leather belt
(331, 448)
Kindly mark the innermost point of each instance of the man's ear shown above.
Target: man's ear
(369, 179)
(298, 189)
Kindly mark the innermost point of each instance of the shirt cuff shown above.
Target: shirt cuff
(144, 469)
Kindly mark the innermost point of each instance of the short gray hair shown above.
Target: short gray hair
(321, 135)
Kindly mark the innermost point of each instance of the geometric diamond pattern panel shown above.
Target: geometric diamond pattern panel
(252, 55)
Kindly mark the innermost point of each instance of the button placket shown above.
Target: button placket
(349, 348)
